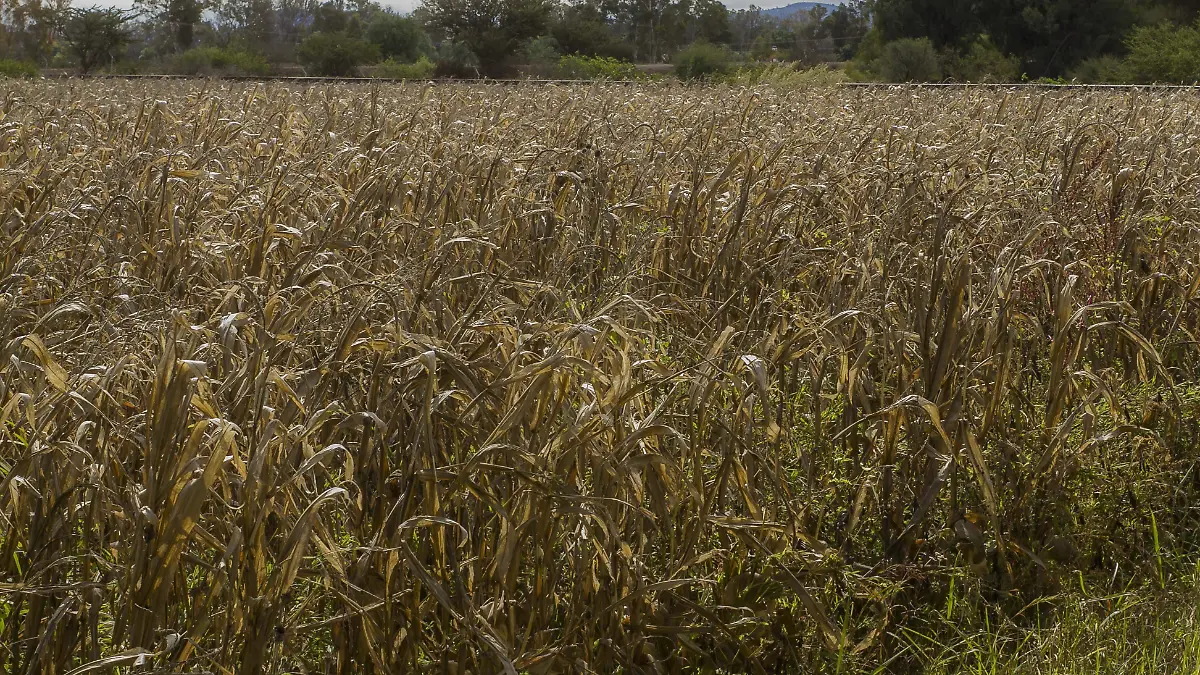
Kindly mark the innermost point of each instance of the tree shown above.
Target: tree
(908, 60)
(1051, 36)
(749, 28)
(806, 37)
(253, 21)
(709, 21)
(584, 28)
(847, 25)
(653, 27)
(943, 22)
(1180, 12)
(701, 60)
(493, 30)
(659, 27)
(95, 36)
(178, 16)
(398, 37)
(982, 62)
(1164, 54)
(762, 49)
(333, 17)
(34, 23)
(293, 18)
(336, 54)
(455, 59)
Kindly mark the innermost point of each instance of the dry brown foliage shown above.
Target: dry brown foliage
(349, 379)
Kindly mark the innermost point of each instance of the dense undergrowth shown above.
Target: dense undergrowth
(597, 379)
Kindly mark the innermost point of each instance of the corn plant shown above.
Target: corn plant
(374, 379)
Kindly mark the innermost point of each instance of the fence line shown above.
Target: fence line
(545, 82)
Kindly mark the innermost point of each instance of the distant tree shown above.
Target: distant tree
(584, 28)
(455, 59)
(1179, 12)
(336, 54)
(541, 50)
(1050, 36)
(398, 37)
(493, 30)
(252, 22)
(751, 27)
(179, 17)
(95, 36)
(1100, 70)
(942, 22)
(1164, 54)
(293, 19)
(762, 49)
(981, 62)
(32, 25)
(821, 35)
(806, 37)
(334, 17)
(908, 60)
(846, 26)
(709, 21)
(659, 27)
(701, 60)
(653, 27)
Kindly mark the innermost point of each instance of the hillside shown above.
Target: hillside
(796, 8)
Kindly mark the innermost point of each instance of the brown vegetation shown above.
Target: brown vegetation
(638, 379)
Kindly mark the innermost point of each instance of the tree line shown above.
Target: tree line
(893, 40)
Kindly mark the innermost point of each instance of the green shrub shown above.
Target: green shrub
(219, 61)
(335, 54)
(455, 59)
(786, 76)
(763, 49)
(1058, 81)
(577, 67)
(1100, 70)
(1163, 54)
(539, 57)
(422, 69)
(862, 67)
(701, 60)
(982, 62)
(908, 60)
(541, 50)
(130, 67)
(14, 68)
(399, 38)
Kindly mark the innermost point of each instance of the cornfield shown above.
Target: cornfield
(653, 379)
